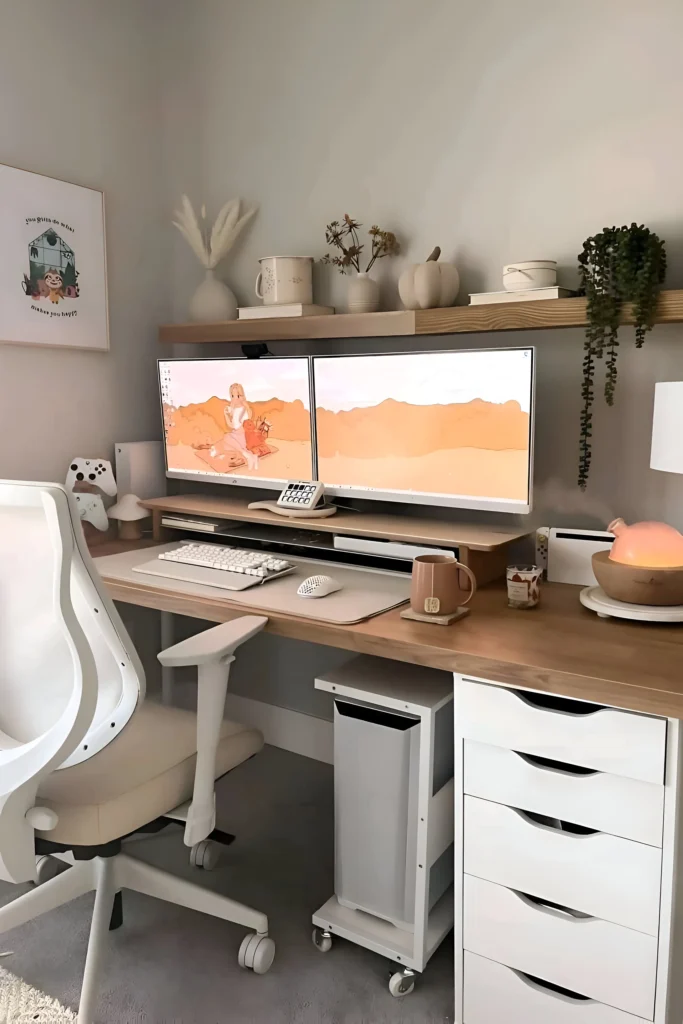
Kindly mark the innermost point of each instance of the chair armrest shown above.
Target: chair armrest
(213, 645)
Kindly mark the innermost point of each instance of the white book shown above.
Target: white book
(286, 309)
(529, 295)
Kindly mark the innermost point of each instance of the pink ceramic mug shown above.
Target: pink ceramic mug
(436, 585)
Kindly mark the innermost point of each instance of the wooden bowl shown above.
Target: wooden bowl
(637, 584)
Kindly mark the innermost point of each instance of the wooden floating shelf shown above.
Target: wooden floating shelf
(503, 316)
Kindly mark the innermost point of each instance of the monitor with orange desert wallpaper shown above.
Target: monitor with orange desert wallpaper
(442, 428)
(237, 420)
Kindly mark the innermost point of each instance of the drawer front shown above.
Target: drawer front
(609, 740)
(494, 993)
(609, 803)
(597, 874)
(602, 961)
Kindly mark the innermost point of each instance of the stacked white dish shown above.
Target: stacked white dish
(530, 274)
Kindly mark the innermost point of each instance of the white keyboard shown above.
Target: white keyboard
(237, 568)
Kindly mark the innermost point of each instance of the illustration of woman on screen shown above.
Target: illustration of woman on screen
(237, 412)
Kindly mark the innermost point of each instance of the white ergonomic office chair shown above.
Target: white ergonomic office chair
(84, 759)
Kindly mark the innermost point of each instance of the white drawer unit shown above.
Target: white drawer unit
(595, 873)
(568, 860)
(608, 963)
(606, 739)
(494, 993)
(609, 803)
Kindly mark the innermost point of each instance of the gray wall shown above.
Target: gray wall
(499, 131)
(79, 100)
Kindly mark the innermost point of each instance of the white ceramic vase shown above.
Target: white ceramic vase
(212, 301)
(363, 294)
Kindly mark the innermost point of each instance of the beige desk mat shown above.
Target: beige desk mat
(365, 593)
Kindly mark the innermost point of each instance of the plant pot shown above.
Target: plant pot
(362, 295)
(212, 301)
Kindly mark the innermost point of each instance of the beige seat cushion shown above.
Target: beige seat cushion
(145, 772)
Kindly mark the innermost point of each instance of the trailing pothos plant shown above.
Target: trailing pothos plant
(618, 265)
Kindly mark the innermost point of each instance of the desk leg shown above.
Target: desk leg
(166, 672)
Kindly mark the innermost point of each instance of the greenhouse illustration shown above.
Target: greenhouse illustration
(52, 268)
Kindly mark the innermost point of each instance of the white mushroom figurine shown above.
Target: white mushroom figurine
(429, 285)
(130, 514)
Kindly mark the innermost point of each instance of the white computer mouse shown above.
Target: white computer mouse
(318, 586)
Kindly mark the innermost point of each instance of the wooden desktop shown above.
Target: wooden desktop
(558, 647)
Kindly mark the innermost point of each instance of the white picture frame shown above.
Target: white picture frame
(53, 267)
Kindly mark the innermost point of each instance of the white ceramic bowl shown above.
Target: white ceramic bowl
(519, 277)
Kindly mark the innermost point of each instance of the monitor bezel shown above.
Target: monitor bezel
(506, 506)
(221, 479)
(437, 500)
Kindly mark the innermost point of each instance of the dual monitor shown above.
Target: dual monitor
(432, 428)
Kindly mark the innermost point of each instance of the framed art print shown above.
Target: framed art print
(53, 274)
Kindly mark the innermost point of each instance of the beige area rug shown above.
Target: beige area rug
(21, 1004)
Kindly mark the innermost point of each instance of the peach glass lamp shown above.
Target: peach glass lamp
(654, 545)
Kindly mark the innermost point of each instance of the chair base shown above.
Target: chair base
(107, 875)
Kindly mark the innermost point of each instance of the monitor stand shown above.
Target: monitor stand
(483, 549)
(321, 512)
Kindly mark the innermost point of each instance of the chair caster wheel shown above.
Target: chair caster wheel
(322, 940)
(402, 983)
(48, 867)
(205, 855)
(257, 953)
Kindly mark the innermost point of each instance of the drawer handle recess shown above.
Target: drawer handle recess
(547, 987)
(566, 828)
(559, 705)
(546, 764)
(552, 909)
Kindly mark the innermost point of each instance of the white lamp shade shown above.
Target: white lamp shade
(667, 427)
(128, 509)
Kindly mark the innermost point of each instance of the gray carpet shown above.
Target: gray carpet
(167, 965)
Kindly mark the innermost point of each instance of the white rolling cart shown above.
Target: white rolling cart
(394, 798)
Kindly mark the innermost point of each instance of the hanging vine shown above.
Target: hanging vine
(626, 264)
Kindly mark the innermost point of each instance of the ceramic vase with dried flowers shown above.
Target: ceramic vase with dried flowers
(212, 300)
(363, 290)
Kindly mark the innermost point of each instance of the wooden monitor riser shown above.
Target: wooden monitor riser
(483, 549)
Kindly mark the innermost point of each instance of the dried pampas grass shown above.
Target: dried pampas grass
(211, 247)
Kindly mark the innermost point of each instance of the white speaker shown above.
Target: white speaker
(140, 468)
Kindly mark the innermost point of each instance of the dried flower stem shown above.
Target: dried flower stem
(384, 243)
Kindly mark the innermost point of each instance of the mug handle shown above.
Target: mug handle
(473, 582)
(257, 289)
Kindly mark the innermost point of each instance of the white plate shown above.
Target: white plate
(597, 600)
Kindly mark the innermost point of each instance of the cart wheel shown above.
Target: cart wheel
(402, 983)
(322, 940)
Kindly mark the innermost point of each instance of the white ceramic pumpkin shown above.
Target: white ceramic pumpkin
(429, 285)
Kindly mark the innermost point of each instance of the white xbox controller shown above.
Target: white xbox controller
(97, 472)
(91, 508)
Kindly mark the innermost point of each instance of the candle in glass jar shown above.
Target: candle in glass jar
(524, 585)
